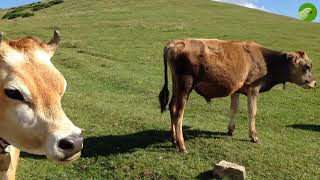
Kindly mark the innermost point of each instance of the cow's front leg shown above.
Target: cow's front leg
(233, 111)
(12, 157)
(252, 110)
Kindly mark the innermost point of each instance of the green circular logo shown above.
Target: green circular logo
(307, 12)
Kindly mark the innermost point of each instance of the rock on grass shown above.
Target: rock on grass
(225, 169)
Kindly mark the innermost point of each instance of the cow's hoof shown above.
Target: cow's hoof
(231, 132)
(182, 151)
(254, 139)
(231, 129)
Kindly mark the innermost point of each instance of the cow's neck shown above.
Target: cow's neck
(277, 68)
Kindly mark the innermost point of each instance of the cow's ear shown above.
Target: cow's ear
(301, 53)
(54, 42)
(292, 57)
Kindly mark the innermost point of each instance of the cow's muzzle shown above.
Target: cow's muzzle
(71, 147)
(311, 84)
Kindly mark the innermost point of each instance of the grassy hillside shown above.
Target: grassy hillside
(111, 55)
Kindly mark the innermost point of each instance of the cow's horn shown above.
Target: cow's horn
(54, 42)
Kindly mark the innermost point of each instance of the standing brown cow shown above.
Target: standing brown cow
(216, 68)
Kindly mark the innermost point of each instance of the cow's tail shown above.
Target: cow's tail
(164, 94)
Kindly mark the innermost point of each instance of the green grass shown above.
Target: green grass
(111, 55)
(28, 10)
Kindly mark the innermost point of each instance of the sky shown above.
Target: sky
(282, 7)
(14, 3)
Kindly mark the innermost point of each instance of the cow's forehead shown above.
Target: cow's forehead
(27, 49)
(45, 85)
(29, 60)
(26, 44)
(43, 77)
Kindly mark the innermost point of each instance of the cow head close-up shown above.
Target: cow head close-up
(31, 89)
(300, 69)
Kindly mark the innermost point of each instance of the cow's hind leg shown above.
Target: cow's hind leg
(172, 107)
(178, 102)
(173, 110)
(178, 121)
(233, 111)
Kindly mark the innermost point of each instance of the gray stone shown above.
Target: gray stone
(228, 170)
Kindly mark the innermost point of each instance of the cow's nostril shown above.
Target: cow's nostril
(70, 145)
(66, 144)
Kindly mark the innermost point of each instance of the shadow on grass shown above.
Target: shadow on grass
(31, 156)
(309, 127)
(205, 175)
(117, 144)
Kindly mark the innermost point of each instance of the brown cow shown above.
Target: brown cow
(216, 68)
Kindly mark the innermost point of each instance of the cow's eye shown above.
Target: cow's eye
(14, 94)
(307, 67)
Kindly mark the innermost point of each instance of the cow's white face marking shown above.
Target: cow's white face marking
(43, 57)
(24, 116)
(14, 57)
